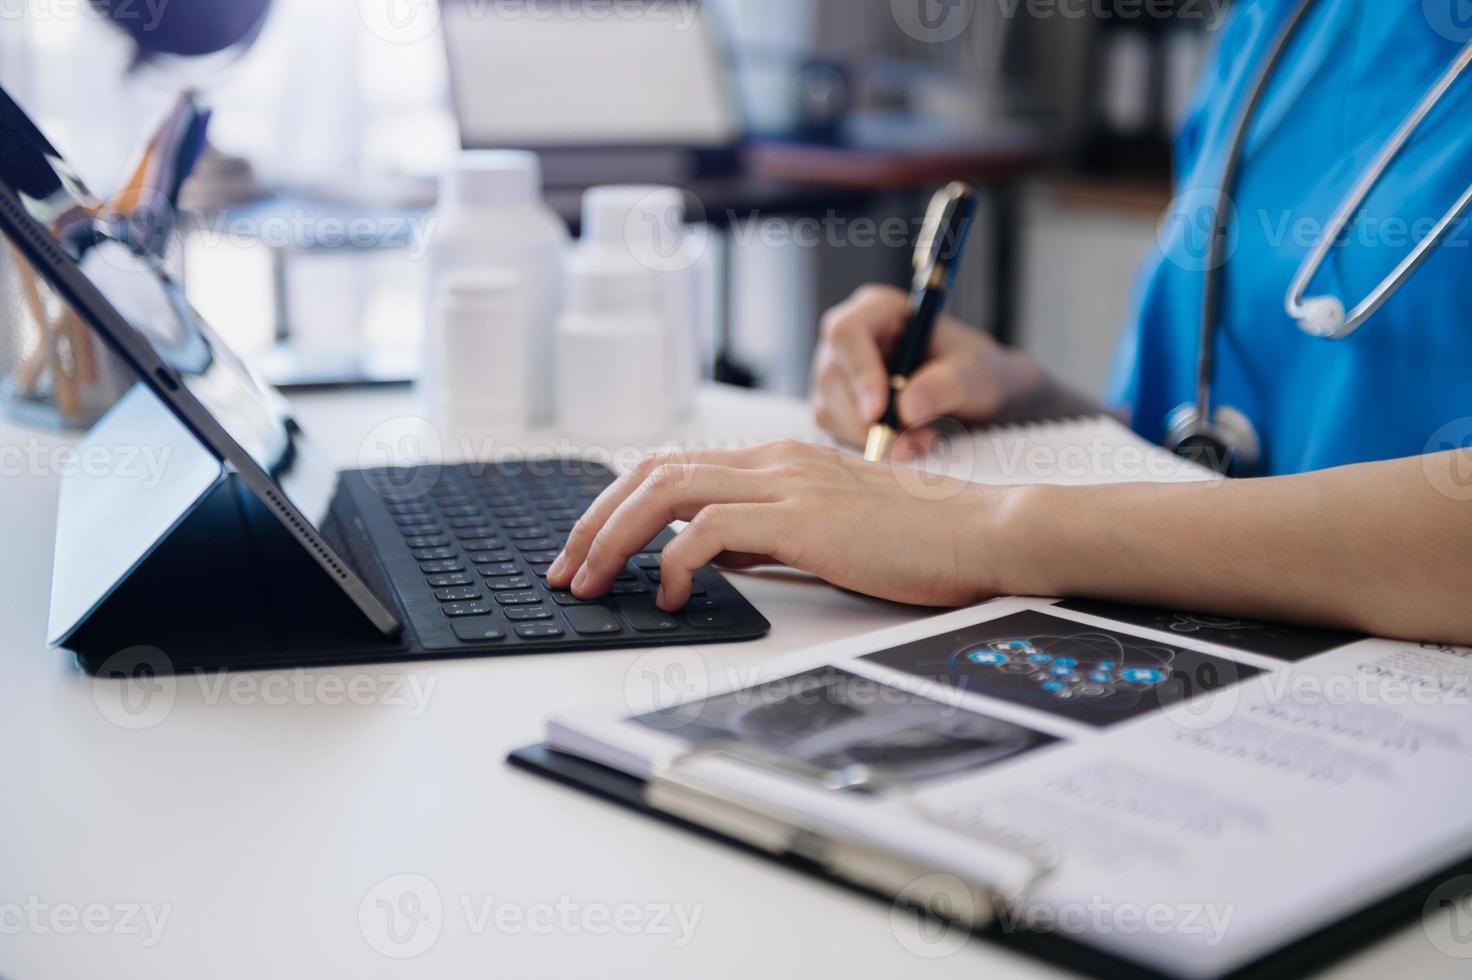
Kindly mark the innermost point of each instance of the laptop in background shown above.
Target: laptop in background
(606, 91)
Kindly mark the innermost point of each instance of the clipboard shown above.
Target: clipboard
(1305, 956)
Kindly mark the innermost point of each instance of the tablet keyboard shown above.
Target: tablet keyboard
(467, 550)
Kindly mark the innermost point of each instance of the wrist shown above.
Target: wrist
(1013, 538)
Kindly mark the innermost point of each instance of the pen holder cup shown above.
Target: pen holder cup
(57, 374)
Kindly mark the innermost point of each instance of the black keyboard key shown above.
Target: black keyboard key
(441, 567)
(483, 544)
(449, 581)
(538, 545)
(459, 610)
(708, 619)
(539, 631)
(657, 578)
(514, 523)
(568, 599)
(539, 568)
(541, 557)
(592, 620)
(421, 530)
(646, 617)
(519, 598)
(628, 588)
(701, 604)
(527, 533)
(491, 557)
(464, 512)
(415, 520)
(435, 554)
(509, 584)
(646, 561)
(695, 587)
(478, 629)
(527, 614)
(458, 594)
(438, 541)
(476, 533)
(500, 569)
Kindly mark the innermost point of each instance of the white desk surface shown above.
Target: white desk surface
(260, 823)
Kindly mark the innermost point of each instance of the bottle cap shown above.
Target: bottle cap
(494, 178)
(637, 219)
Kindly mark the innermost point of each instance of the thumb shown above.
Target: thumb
(935, 391)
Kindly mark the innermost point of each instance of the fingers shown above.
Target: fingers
(743, 528)
(836, 408)
(671, 492)
(937, 390)
(851, 383)
(580, 540)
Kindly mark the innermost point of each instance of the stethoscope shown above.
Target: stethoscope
(1224, 438)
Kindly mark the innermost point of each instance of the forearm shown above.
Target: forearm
(1382, 548)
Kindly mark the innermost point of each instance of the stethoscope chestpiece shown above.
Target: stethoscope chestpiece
(1226, 444)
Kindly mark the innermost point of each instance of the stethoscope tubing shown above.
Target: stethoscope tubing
(1216, 255)
(1296, 302)
(1371, 304)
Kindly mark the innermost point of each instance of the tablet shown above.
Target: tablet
(140, 313)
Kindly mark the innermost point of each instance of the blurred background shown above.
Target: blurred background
(809, 132)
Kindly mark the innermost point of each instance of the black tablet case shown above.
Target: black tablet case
(1308, 955)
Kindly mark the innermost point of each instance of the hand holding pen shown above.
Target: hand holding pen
(965, 374)
(938, 252)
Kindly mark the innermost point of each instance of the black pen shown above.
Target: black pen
(937, 253)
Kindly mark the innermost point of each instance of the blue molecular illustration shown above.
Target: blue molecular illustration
(1083, 665)
(1064, 667)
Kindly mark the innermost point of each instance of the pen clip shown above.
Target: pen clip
(946, 223)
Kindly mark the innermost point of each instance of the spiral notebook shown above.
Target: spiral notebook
(1066, 451)
(1072, 451)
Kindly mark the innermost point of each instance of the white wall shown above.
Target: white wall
(1079, 266)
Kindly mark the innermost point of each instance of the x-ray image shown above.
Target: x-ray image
(832, 720)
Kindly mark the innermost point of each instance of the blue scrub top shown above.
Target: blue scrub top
(1353, 73)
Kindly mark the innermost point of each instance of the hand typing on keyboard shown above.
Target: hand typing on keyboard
(865, 526)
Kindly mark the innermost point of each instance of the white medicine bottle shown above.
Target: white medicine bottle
(480, 318)
(642, 228)
(491, 215)
(612, 350)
